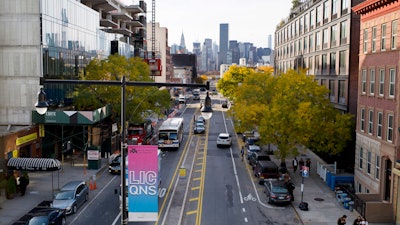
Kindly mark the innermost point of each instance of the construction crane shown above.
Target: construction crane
(154, 63)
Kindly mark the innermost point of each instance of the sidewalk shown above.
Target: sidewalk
(42, 186)
(323, 207)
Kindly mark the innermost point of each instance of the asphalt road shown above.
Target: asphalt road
(218, 189)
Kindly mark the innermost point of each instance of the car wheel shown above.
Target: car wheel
(74, 208)
(261, 182)
(63, 221)
(217, 146)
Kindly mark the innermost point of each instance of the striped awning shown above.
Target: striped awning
(34, 164)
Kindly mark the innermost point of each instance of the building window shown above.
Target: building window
(333, 35)
(326, 10)
(393, 44)
(318, 15)
(372, 82)
(359, 188)
(317, 65)
(364, 81)
(362, 120)
(318, 40)
(343, 32)
(373, 43)
(305, 22)
(369, 155)
(334, 7)
(390, 128)
(392, 77)
(381, 82)
(332, 90)
(365, 45)
(332, 63)
(360, 158)
(379, 125)
(377, 166)
(342, 62)
(345, 4)
(312, 19)
(342, 92)
(311, 42)
(370, 121)
(383, 37)
(325, 38)
(324, 63)
(305, 44)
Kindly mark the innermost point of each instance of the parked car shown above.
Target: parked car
(71, 196)
(265, 170)
(182, 99)
(224, 139)
(114, 164)
(251, 149)
(199, 129)
(251, 141)
(250, 134)
(277, 192)
(225, 104)
(255, 157)
(46, 216)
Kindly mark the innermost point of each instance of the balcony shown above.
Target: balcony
(101, 5)
(135, 9)
(121, 15)
(137, 22)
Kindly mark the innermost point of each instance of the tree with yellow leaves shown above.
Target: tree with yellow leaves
(289, 111)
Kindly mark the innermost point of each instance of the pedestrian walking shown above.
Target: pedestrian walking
(308, 164)
(301, 164)
(342, 220)
(242, 152)
(357, 221)
(363, 221)
(295, 164)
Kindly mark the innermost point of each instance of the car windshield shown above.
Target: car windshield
(173, 136)
(65, 195)
(39, 220)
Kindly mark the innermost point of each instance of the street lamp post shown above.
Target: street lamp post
(42, 105)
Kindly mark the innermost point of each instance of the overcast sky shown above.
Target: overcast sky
(249, 20)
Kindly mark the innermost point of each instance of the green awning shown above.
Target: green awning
(72, 117)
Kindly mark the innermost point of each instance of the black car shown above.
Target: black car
(225, 104)
(277, 192)
(255, 157)
(199, 129)
(114, 164)
(46, 216)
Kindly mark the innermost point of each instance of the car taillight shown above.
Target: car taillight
(273, 196)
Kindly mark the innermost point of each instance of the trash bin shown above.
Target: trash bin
(351, 206)
(346, 202)
(338, 193)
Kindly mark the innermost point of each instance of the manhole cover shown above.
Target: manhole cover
(318, 199)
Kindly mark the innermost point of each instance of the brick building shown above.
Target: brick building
(376, 173)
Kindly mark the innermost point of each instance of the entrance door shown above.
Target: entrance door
(388, 179)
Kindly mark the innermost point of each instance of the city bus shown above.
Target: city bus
(170, 133)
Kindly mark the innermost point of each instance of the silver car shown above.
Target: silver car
(71, 196)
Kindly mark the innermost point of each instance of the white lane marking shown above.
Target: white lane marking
(116, 218)
(87, 205)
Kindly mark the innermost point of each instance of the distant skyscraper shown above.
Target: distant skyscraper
(223, 43)
(182, 45)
